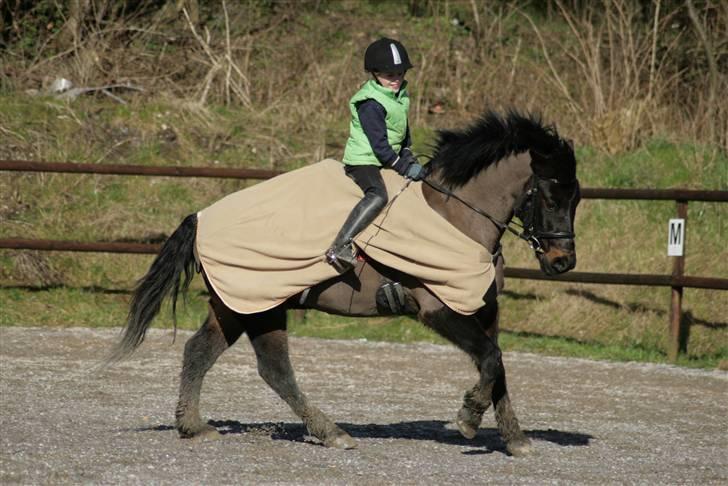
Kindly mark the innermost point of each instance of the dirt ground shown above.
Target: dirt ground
(64, 421)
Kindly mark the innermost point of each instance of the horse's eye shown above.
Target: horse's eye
(549, 206)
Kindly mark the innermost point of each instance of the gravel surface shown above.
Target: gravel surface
(63, 420)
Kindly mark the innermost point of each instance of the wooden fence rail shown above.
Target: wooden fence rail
(677, 281)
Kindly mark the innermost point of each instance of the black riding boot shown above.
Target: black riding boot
(342, 255)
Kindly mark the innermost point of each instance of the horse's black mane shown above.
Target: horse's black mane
(461, 154)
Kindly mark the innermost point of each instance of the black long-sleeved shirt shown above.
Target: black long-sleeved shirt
(372, 118)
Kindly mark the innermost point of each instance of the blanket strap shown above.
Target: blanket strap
(304, 295)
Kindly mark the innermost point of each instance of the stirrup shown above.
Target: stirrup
(342, 258)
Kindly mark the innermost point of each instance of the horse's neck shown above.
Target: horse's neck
(494, 190)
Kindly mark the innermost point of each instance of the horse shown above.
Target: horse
(503, 165)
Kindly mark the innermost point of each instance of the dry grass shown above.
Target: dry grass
(632, 74)
(614, 74)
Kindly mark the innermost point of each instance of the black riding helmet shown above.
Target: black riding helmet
(386, 56)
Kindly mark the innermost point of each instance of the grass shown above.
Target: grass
(405, 330)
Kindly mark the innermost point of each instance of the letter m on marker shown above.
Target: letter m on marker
(675, 233)
(676, 237)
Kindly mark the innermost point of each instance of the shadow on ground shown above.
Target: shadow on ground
(487, 441)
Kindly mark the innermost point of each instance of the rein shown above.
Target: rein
(527, 231)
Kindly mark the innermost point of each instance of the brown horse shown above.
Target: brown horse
(503, 165)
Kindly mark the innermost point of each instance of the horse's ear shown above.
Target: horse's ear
(560, 165)
(542, 165)
(570, 166)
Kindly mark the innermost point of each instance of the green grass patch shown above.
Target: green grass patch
(658, 164)
(107, 307)
(86, 307)
(566, 347)
(407, 330)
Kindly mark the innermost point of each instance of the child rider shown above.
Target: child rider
(379, 136)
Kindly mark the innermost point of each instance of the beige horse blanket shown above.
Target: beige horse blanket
(262, 245)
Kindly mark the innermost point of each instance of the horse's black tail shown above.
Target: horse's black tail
(161, 281)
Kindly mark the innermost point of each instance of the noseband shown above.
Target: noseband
(526, 211)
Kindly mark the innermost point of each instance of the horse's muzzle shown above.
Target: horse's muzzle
(559, 256)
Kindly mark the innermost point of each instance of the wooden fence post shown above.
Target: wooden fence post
(678, 270)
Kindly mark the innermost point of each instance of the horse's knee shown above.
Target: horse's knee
(490, 370)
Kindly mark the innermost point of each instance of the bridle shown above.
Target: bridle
(525, 210)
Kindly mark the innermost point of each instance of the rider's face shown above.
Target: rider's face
(391, 81)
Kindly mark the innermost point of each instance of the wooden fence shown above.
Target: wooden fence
(677, 281)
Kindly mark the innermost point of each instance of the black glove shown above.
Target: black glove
(408, 165)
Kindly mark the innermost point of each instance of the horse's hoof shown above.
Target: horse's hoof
(467, 430)
(519, 448)
(343, 441)
(468, 422)
(206, 432)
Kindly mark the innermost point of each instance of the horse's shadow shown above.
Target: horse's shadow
(487, 441)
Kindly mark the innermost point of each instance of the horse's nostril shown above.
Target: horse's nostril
(561, 263)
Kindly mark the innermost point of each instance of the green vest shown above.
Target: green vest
(358, 151)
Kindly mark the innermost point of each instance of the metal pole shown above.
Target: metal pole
(678, 270)
(94, 246)
(136, 170)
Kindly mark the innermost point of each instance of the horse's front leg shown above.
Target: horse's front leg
(477, 400)
(516, 441)
(476, 335)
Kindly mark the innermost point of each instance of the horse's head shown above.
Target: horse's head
(547, 208)
(547, 191)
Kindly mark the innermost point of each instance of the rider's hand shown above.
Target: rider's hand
(408, 165)
(415, 172)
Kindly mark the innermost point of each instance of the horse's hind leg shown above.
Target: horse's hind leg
(270, 341)
(220, 330)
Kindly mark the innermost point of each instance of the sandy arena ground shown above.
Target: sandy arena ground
(62, 421)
